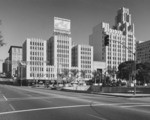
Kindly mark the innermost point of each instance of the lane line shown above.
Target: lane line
(53, 108)
(96, 117)
(144, 105)
(5, 98)
(59, 107)
(39, 109)
(12, 107)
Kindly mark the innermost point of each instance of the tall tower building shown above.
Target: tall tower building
(59, 45)
(121, 40)
(82, 58)
(6, 66)
(15, 56)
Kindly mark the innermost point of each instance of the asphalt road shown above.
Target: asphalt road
(25, 103)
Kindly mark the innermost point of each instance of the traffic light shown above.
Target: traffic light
(106, 40)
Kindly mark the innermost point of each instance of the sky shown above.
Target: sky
(22, 19)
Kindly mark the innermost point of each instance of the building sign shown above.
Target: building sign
(61, 24)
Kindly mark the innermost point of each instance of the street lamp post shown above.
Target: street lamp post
(21, 76)
(135, 73)
(21, 67)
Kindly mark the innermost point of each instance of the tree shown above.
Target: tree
(125, 70)
(74, 73)
(83, 73)
(60, 77)
(143, 72)
(66, 73)
(97, 76)
(1, 38)
(112, 72)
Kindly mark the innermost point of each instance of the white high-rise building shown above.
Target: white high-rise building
(34, 59)
(59, 45)
(121, 40)
(82, 58)
(44, 60)
(15, 56)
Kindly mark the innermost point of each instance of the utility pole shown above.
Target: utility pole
(134, 73)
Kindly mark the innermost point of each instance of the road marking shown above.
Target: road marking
(39, 109)
(145, 105)
(97, 117)
(5, 98)
(60, 107)
(12, 107)
(53, 108)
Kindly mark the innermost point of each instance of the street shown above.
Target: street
(26, 103)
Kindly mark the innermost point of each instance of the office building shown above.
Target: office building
(34, 59)
(82, 58)
(6, 67)
(15, 56)
(121, 40)
(45, 60)
(143, 51)
(59, 45)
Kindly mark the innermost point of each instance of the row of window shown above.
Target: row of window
(50, 75)
(37, 53)
(86, 57)
(40, 75)
(39, 63)
(62, 56)
(63, 46)
(85, 62)
(36, 48)
(86, 49)
(36, 43)
(85, 66)
(50, 69)
(63, 41)
(63, 60)
(17, 50)
(37, 58)
(86, 53)
(36, 68)
(62, 51)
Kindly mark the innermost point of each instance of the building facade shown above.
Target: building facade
(121, 40)
(82, 58)
(34, 58)
(59, 45)
(6, 67)
(45, 60)
(15, 56)
(143, 51)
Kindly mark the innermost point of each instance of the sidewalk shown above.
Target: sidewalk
(127, 95)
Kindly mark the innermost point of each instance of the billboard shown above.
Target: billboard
(61, 24)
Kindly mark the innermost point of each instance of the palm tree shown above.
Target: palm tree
(94, 75)
(66, 73)
(60, 77)
(83, 73)
(112, 72)
(74, 72)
